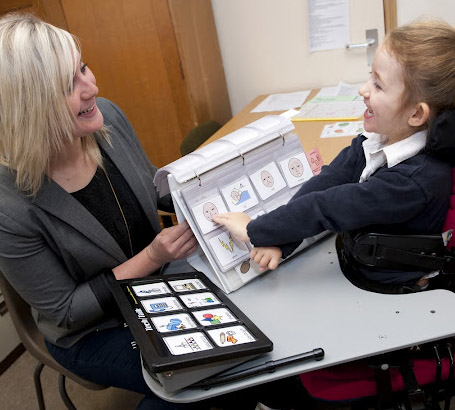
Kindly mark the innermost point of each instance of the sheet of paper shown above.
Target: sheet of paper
(282, 102)
(342, 129)
(342, 89)
(331, 110)
(328, 24)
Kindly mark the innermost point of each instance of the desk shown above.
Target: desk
(308, 131)
(307, 303)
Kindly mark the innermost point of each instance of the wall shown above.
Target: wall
(409, 10)
(264, 47)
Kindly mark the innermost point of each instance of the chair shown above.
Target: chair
(197, 136)
(33, 341)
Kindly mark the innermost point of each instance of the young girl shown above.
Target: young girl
(385, 182)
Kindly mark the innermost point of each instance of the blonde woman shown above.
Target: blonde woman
(77, 204)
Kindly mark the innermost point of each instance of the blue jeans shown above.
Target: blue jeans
(107, 357)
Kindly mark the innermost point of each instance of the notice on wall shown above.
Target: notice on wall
(328, 22)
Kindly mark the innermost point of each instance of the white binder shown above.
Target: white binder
(254, 169)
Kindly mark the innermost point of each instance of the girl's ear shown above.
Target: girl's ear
(420, 115)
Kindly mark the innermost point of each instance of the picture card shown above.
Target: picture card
(315, 160)
(247, 270)
(296, 169)
(230, 336)
(187, 343)
(200, 299)
(212, 317)
(159, 305)
(342, 129)
(204, 211)
(227, 249)
(186, 285)
(151, 289)
(268, 180)
(240, 195)
(173, 323)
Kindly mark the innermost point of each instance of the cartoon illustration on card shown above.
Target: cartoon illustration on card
(296, 169)
(151, 289)
(214, 316)
(204, 212)
(247, 270)
(173, 323)
(189, 343)
(159, 305)
(240, 195)
(315, 160)
(227, 249)
(268, 180)
(200, 299)
(229, 336)
(186, 285)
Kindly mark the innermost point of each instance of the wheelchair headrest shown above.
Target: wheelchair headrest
(441, 137)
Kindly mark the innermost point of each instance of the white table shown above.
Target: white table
(307, 303)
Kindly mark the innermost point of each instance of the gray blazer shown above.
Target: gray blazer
(51, 246)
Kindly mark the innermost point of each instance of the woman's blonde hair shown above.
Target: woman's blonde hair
(426, 51)
(37, 66)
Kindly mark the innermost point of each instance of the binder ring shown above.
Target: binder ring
(243, 158)
(198, 177)
(282, 136)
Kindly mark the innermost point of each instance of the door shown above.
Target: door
(264, 44)
(131, 48)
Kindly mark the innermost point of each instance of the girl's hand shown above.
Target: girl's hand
(266, 257)
(235, 222)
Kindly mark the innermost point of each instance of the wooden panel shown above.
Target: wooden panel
(197, 38)
(131, 48)
(16, 5)
(390, 15)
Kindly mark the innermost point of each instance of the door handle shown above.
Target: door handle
(371, 44)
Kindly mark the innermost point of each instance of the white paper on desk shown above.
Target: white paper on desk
(342, 129)
(281, 102)
(348, 110)
(341, 90)
(328, 24)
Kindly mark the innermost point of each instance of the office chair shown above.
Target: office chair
(197, 136)
(33, 341)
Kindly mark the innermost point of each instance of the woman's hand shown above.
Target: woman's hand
(235, 222)
(266, 257)
(176, 242)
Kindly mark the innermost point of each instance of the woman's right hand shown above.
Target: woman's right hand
(170, 244)
(176, 242)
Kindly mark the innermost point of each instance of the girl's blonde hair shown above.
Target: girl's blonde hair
(426, 51)
(37, 66)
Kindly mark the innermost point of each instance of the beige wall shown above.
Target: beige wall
(264, 46)
(409, 10)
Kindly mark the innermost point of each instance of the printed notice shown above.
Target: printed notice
(328, 24)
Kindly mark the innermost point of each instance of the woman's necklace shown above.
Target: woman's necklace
(121, 211)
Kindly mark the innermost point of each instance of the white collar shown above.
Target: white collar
(378, 154)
